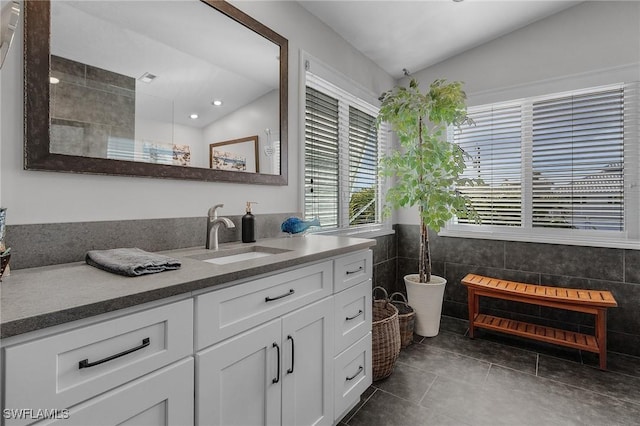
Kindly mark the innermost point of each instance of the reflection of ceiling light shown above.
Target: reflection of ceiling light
(217, 102)
(193, 116)
(147, 77)
(54, 80)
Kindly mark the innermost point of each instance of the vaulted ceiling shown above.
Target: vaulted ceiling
(399, 34)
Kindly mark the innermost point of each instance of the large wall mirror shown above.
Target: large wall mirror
(186, 89)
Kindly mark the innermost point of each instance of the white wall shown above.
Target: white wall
(50, 197)
(591, 44)
(247, 121)
(1, 137)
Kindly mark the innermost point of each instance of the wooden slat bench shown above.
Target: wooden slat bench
(593, 302)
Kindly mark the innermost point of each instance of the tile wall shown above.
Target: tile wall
(89, 107)
(54, 243)
(617, 270)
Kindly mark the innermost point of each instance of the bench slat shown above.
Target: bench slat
(598, 298)
(548, 334)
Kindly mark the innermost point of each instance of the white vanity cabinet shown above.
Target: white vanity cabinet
(277, 373)
(353, 316)
(289, 348)
(83, 371)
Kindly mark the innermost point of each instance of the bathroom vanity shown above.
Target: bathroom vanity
(282, 338)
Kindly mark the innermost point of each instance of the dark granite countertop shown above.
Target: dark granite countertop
(32, 299)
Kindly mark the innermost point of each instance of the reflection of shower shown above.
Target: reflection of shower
(8, 22)
(268, 147)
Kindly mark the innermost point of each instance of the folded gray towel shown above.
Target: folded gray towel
(130, 261)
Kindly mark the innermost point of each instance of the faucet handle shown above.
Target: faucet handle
(212, 211)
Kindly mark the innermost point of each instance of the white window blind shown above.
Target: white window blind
(559, 168)
(342, 149)
(578, 161)
(493, 146)
(364, 192)
(121, 149)
(321, 158)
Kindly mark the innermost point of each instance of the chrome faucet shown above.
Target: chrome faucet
(213, 223)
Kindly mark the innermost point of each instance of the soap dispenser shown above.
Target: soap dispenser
(249, 225)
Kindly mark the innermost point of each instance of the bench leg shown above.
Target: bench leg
(472, 301)
(601, 336)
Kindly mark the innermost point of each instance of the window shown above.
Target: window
(558, 168)
(494, 148)
(578, 158)
(342, 148)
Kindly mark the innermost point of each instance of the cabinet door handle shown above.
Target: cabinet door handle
(355, 316)
(356, 271)
(293, 351)
(277, 379)
(271, 299)
(86, 364)
(356, 375)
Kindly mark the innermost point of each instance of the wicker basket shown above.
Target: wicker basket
(386, 338)
(4, 262)
(406, 318)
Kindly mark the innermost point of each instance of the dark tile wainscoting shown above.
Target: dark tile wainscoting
(54, 243)
(617, 270)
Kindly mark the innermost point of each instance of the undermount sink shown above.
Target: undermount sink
(238, 254)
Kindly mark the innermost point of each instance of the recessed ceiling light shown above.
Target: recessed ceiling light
(147, 77)
(217, 102)
(193, 116)
(54, 80)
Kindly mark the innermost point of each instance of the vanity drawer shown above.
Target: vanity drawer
(353, 269)
(65, 369)
(163, 397)
(352, 375)
(223, 313)
(352, 309)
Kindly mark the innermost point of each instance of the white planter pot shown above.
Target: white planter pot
(426, 300)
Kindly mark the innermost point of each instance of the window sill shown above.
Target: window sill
(543, 238)
(368, 232)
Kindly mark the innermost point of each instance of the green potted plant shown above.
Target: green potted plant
(427, 170)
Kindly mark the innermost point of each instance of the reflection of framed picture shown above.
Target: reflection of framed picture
(239, 155)
(181, 155)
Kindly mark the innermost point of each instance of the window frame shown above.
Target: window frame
(629, 238)
(367, 102)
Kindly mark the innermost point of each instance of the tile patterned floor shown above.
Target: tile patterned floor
(498, 380)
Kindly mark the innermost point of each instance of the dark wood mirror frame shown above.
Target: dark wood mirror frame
(37, 23)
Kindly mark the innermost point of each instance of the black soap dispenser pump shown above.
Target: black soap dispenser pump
(249, 225)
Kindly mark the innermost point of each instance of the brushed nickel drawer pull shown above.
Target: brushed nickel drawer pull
(356, 375)
(360, 312)
(86, 364)
(356, 271)
(271, 299)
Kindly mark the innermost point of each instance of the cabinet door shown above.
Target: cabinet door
(161, 398)
(307, 340)
(238, 381)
